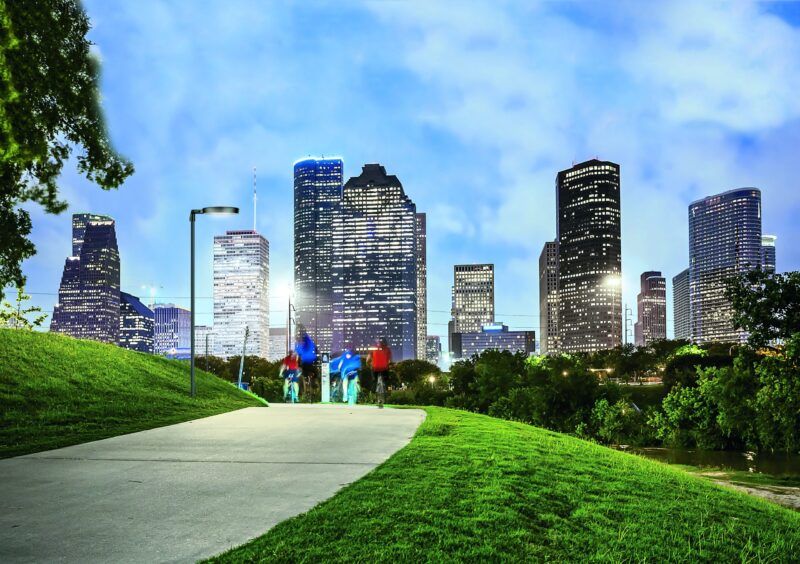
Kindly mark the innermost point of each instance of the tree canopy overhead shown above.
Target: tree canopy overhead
(49, 105)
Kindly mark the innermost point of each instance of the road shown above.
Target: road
(192, 490)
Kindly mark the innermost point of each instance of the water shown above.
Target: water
(779, 465)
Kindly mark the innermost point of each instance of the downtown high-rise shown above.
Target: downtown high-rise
(317, 193)
(548, 298)
(374, 265)
(89, 297)
(651, 324)
(472, 300)
(768, 253)
(241, 294)
(171, 330)
(724, 241)
(589, 257)
(680, 305)
(422, 285)
(136, 329)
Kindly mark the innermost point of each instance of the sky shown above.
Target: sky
(474, 105)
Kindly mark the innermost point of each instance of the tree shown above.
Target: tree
(765, 305)
(49, 104)
(13, 315)
(409, 372)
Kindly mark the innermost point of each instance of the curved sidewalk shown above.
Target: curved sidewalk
(192, 490)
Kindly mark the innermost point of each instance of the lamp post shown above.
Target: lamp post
(214, 210)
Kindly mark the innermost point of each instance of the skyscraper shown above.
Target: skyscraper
(241, 293)
(204, 340)
(317, 191)
(89, 298)
(422, 285)
(433, 349)
(589, 257)
(374, 270)
(680, 305)
(548, 298)
(768, 253)
(724, 240)
(473, 297)
(651, 324)
(135, 324)
(171, 330)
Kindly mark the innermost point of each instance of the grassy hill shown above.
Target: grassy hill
(57, 391)
(473, 488)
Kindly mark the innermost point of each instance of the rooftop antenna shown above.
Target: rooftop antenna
(254, 198)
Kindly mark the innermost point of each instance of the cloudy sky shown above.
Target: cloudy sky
(475, 106)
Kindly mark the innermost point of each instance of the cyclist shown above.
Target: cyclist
(307, 355)
(291, 378)
(380, 357)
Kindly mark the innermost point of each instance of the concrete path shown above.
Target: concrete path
(192, 490)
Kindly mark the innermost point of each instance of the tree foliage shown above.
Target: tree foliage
(16, 316)
(49, 105)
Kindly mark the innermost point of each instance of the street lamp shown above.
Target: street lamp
(213, 210)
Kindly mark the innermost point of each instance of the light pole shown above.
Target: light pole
(214, 210)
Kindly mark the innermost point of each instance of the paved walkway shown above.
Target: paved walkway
(192, 490)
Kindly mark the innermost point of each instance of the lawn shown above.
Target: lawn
(473, 488)
(57, 391)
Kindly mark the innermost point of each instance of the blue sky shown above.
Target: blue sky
(475, 106)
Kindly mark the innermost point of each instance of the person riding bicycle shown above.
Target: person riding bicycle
(307, 355)
(380, 357)
(348, 365)
(291, 378)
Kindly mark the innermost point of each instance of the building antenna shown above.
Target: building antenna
(254, 198)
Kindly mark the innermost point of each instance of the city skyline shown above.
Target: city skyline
(489, 187)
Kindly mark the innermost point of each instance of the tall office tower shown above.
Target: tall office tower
(548, 298)
(204, 340)
(768, 253)
(171, 330)
(241, 294)
(589, 257)
(680, 305)
(374, 270)
(433, 349)
(88, 298)
(651, 324)
(277, 343)
(135, 324)
(422, 285)
(724, 240)
(317, 191)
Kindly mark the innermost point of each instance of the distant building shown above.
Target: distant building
(724, 240)
(89, 298)
(422, 285)
(433, 349)
(768, 253)
(135, 324)
(472, 299)
(680, 305)
(589, 257)
(277, 343)
(171, 331)
(548, 298)
(203, 340)
(317, 193)
(493, 336)
(651, 324)
(374, 267)
(241, 293)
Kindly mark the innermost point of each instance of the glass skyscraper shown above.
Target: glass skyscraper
(136, 322)
(472, 300)
(422, 285)
(724, 240)
(171, 330)
(768, 253)
(374, 269)
(589, 257)
(89, 298)
(680, 305)
(548, 298)
(317, 192)
(651, 324)
(241, 293)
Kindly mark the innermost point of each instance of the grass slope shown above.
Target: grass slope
(473, 488)
(57, 391)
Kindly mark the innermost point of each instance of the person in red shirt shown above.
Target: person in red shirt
(380, 357)
(291, 378)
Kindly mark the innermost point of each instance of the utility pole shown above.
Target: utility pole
(206, 352)
(627, 311)
(244, 347)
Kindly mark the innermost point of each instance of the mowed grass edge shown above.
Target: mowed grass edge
(56, 391)
(473, 488)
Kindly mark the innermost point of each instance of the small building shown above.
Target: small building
(493, 336)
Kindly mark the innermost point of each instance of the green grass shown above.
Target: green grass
(57, 391)
(473, 488)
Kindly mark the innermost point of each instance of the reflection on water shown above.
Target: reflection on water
(765, 463)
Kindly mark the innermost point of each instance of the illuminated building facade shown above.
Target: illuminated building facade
(724, 240)
(493, 336)
(241, 294)
(135, 324)
(317, 192)
(548, 298)
(651, 324)
(277, 343)
(422, 286)
(433, 349)
(472, 299)
(89, 298)
(374, 268)
(680, 305)
(768, 253)
(589, 257)
(171, 330)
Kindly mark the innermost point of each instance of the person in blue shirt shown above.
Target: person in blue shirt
(348, 365)
(306, 352)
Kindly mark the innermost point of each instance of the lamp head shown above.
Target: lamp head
(220, 210)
